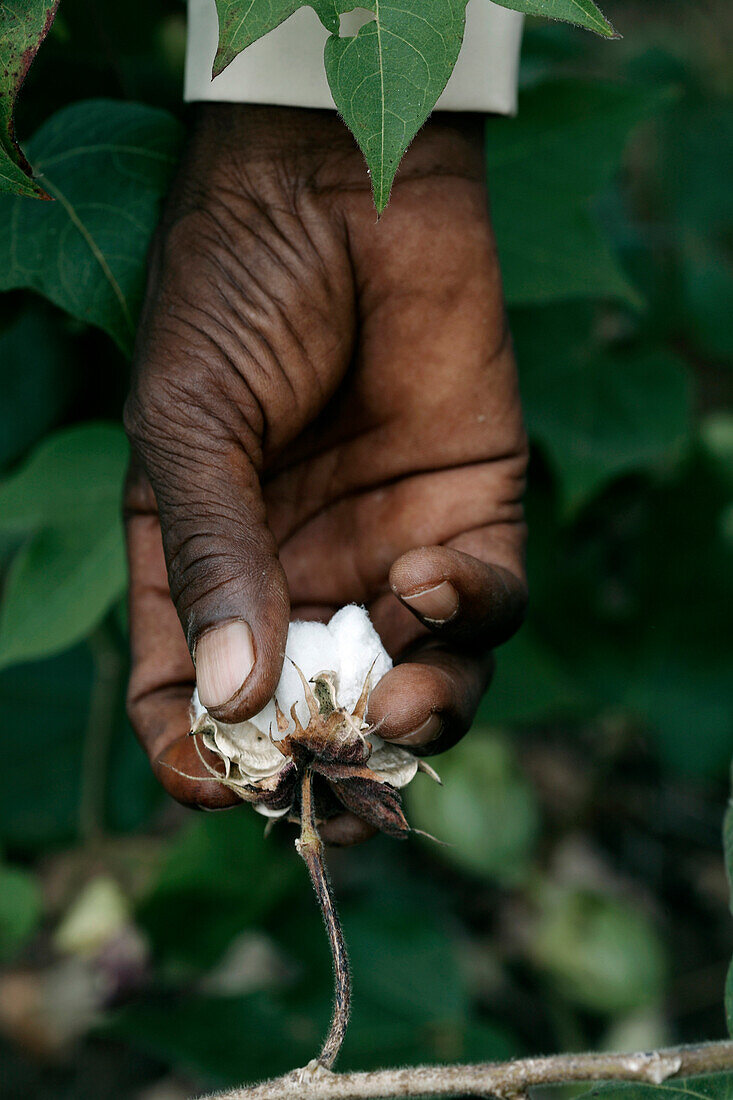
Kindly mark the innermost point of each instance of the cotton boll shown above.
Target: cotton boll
(313, 649)
(349, 646)
(338, 659)
(358, 646)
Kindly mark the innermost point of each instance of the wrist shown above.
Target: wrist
(273, 148)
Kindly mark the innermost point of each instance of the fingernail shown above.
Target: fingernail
(423, 735)
(438, 603)
(224, 658)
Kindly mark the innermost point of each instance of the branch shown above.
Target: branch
(506, 1080)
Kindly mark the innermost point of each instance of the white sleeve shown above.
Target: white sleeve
(286, 66)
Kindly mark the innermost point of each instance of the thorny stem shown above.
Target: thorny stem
(505, 1080)
(310, 847)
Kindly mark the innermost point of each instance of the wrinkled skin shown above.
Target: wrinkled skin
(324, 410)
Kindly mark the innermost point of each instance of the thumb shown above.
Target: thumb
(225, 577)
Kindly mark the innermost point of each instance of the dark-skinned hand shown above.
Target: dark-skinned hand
(324, 410)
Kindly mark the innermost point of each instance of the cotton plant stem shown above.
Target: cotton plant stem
(310, 847)
(105, 696)
(506, 1080)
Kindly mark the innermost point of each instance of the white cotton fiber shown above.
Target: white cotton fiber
(313, 649)
(348, 645)
(197, 709)
(358, 646)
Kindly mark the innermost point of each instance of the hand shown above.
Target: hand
(324, 410)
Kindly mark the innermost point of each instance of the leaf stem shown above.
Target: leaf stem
(310, 848)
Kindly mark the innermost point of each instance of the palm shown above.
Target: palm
(423, 464)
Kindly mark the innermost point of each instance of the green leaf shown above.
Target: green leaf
(675, 659)
(707, 278)
(386, 79)
(584, 13)
(599, 953)
(36, 376)
(20, 910)
(66, 501)
(222, 869)
(598, 414)
(718, 1086)
(50, 700)
(681, 690)
(35, 815)
(416, 978)
(58, 588)
(728, 851)
(484, 812)
(698, 160)
(242, 22)
(73, 473)
(23, 26)
(728, 847)
(225, 1040)
(544, 168)
(697, 214)
(107, 164)
(529, 683)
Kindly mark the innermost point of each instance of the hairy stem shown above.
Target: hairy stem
(505, 1080)
(310, 847)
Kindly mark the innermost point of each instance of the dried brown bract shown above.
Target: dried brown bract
(352, 768)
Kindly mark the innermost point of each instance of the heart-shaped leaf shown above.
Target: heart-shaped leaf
(23, 26)
(584, 13)
(107, 165)
(386, 78)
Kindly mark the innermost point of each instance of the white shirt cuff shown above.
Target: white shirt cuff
(286, 66)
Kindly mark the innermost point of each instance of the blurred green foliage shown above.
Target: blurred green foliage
(614, 218)
(600, 953)
(63, 506)
(717, 1087)
(20, 910)
(484, 814)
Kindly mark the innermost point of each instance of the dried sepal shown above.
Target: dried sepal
(359, 710)
(282, 722)
(376, 802)
(352, 768)
(423, 766)
(392, 763)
